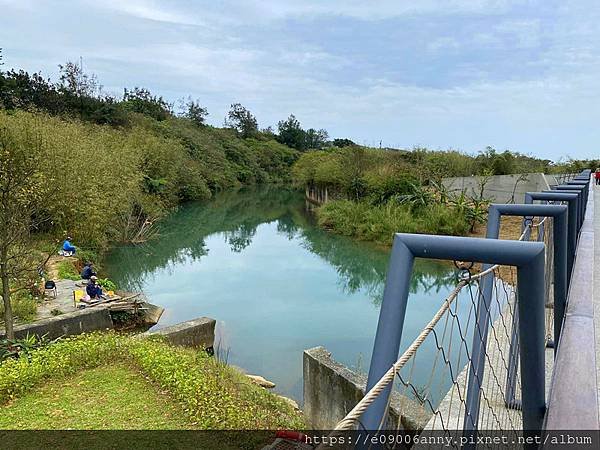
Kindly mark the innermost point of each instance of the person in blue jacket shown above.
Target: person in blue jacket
(93, 289)
(68, 247)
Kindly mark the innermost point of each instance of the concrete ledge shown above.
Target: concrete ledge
(331, 390)
(76, 322)
(193, 333)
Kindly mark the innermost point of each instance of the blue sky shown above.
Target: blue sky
(463, 74)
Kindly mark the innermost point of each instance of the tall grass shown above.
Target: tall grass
(378, 223)
(24, 307)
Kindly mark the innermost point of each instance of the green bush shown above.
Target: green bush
(213, 395)
(24, 306)
(378, 223)
(67, 271)
(59, 359)
(18, 348)
(107, 284)
(116, 181)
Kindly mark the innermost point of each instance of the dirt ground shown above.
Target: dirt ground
(510, 229)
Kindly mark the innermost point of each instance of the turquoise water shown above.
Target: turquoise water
(277, 285)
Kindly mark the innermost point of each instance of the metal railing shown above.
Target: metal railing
(488, 339)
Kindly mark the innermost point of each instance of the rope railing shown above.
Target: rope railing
(472, 341)
(354, 415)
(352, 418)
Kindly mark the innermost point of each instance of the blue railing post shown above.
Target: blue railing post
(389, 327)
(560, 237)
(571, 200)
(530, 278)
(528, 257)
(480, 335)
(580, 201)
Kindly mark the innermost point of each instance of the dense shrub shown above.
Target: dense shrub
(378, 223)
(24, 306)
(106, 183)
(214, 395)
(62, 358)
(341, 167)
(66, 270)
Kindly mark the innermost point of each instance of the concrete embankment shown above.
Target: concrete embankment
(198, 332)
(331, 390)
(75, 322)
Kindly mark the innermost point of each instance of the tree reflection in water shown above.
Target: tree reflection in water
(236, 215)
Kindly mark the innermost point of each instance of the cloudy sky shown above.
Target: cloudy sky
(463, 74)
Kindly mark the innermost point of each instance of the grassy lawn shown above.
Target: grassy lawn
(108, 397)
(107, 381)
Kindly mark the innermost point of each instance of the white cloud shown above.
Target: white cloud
(242, 12)
(241, 51)
(151, 10)
(380, 9)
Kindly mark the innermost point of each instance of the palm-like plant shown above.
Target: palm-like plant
(419, 197)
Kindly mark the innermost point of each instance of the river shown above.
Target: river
(255, 261)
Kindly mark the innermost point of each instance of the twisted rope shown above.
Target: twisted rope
(348, 422)
(354, 415)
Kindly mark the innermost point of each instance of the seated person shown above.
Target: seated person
(68, 247)
(87, 271)
(93, 289)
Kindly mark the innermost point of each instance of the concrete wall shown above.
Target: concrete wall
(502, 188)
(331, 390)
(76, 322)
(193, 333)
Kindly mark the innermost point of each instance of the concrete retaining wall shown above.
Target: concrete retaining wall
(331, 390)
(502, 188)
(193, 333)
(76, 322)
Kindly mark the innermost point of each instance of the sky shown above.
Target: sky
(445, 74)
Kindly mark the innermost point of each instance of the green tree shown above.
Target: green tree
(355, 164)
(342, 142)
(194, 111)
(22, 192)
(291, 133)
(141, 100)
(75, 81)
(242, 120)
(316, 139)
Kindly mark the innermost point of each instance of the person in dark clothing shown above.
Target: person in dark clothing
(88, 271)
(93, 289)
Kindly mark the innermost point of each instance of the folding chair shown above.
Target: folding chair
(50, 285)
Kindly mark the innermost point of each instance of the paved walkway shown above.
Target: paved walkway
(596, 282)
(63, 303)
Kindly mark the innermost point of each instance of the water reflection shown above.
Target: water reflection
(275, 282)
(237, 214)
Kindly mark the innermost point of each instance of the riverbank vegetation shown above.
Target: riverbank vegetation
(370, 194)
(104, 170)
(207, 393)
(375, 193)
